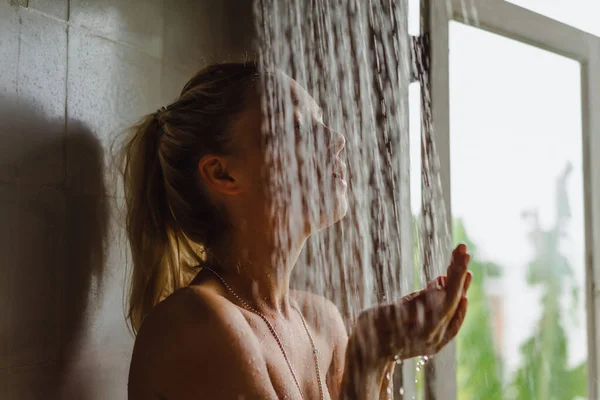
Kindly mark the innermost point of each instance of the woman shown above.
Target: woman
(195, 180)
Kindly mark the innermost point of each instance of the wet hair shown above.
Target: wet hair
(170, 223)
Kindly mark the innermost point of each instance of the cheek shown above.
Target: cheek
(254, 172)
(307, 162)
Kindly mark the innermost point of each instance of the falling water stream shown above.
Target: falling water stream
(354, 58)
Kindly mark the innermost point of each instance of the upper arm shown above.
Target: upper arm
(178, 356)
(339, 338)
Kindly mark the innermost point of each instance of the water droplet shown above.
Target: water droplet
(388, 376)
(389, 390)
(416, 381)
(418, 368)
(401, 391)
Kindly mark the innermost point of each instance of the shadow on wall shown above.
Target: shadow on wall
(52, 247)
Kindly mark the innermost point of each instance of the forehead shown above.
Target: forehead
(247, 127)
(295, 95)
(299, 95)
(301, 99)
(292, 96)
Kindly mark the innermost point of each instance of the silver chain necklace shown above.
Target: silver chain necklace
(264, 318)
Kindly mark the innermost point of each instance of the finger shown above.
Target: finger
(454, 325)
(467, 282)
(458, 251)
(460, 258)
(412, 295)
(461, 248)
(442, 282)
(457, 274)
(456, 322)
(460, 261)
(437, 283)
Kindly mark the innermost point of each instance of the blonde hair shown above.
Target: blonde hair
(170, 223)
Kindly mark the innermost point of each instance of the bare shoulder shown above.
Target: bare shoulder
(188, 313)
(186, 343)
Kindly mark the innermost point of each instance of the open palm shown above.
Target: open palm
(432, 317)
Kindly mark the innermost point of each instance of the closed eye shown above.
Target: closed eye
(298, 129)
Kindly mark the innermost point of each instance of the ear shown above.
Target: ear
(214, 173)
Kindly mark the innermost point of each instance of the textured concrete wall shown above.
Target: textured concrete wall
(72, 73)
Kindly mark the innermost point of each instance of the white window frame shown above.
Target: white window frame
(512, 21)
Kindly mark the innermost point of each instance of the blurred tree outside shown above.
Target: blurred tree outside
(478, 366)
(545, 373)
(479, 369)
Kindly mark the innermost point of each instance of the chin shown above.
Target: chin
(340, 211)
(329, 214)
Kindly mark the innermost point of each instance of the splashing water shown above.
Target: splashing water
(354, 58)
(421, 363)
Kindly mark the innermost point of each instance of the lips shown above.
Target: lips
(339, 170)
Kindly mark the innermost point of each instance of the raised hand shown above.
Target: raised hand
(432, 317)
(421, 323)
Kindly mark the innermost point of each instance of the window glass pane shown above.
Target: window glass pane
(517, 199)
(414, 17)
(582, 14)
(414, 96)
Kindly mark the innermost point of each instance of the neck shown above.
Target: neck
(258, 272)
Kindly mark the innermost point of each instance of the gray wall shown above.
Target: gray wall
(72, 73)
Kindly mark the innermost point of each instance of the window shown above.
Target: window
(517, 199)
(582, 14)
(515, 100)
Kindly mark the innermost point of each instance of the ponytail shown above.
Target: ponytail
(147, 221)
(170, 223)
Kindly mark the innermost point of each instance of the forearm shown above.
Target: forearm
(369, 358)
(364, 380)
